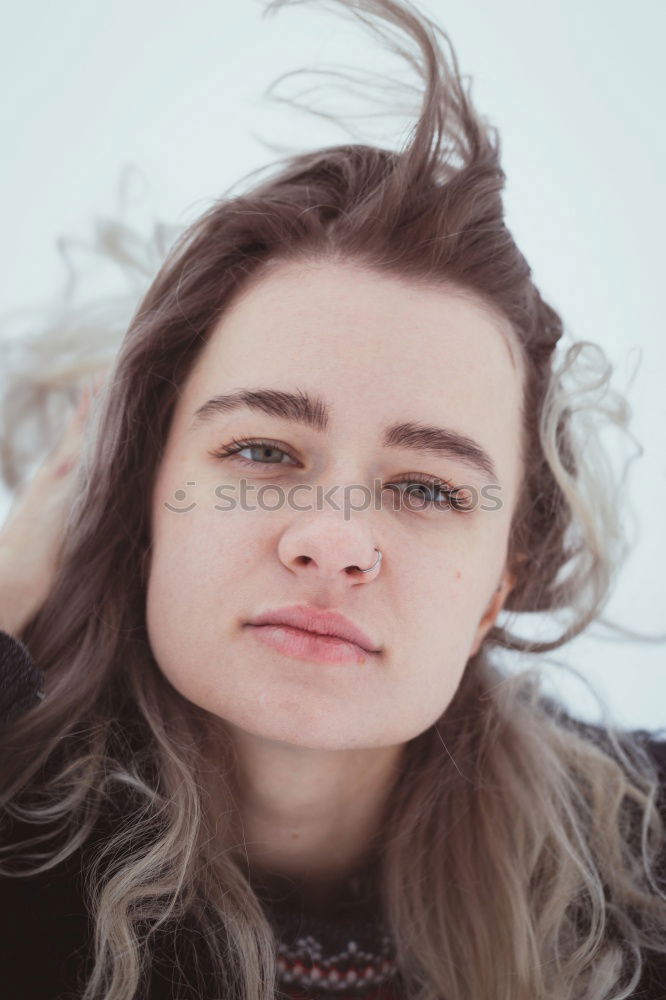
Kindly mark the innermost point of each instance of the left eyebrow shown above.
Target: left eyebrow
(313, 412)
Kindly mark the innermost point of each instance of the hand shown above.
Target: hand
(31, 538)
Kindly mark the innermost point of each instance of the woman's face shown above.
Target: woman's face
(370, 352)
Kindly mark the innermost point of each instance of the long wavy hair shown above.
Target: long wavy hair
(545, 886)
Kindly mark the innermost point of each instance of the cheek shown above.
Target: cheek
(194, 590)
(184, 615)
(436, 636)
(183, 588)
(199, 535)
(443, 608)
(183, 559)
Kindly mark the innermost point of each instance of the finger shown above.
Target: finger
(65, 466)
(84, 399)
(78, 418)
(64, 457)
(90, 391)
(98, 381)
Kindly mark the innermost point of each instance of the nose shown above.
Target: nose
(329, 551)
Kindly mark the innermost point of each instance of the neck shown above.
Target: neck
(310, 815)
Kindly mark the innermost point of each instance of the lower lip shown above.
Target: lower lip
(303, 645)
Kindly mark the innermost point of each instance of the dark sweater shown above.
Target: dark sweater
(46, 934)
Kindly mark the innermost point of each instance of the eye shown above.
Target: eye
(450, 497)
(241, 444)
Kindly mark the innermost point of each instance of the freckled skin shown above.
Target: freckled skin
(378, 350)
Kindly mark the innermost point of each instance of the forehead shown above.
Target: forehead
(344, 320)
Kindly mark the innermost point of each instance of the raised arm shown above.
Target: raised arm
(30, 545)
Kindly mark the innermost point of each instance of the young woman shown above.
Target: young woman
(274, 752)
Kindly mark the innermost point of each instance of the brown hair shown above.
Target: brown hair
(542, 812)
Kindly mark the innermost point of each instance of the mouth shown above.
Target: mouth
(319, 623)
(301, 644)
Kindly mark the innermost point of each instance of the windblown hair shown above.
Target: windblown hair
(545, 884)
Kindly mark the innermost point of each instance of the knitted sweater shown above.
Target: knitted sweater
(342, 950)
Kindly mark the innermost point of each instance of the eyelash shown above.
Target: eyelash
(448, 490)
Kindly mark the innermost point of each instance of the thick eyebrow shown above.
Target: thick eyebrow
(313, 412)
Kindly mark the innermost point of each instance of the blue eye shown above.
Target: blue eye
(450, 496)
(424, 486)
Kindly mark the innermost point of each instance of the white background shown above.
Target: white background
(576, 89)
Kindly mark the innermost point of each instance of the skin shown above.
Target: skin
(318, 745)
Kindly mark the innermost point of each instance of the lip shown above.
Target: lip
(298, 644)
(320, 623)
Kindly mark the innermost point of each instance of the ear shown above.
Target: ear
(506, 585)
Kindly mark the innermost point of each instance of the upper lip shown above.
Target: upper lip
(320, 622)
